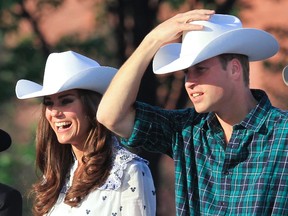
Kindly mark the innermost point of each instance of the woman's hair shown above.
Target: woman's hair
(243, 59)
(54, 160)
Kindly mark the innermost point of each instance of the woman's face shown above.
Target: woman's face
(65, 114)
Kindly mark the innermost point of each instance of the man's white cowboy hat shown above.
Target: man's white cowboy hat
(65, 71)
(221, 34)
(285, 75)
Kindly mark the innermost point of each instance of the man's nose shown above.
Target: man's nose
(191, 81)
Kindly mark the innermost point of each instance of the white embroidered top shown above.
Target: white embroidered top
(128, 191)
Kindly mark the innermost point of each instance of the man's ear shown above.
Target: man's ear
(236, 68)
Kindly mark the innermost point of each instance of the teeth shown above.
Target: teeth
(196, 94)
(59, 124)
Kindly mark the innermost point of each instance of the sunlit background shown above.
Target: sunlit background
(109, 31)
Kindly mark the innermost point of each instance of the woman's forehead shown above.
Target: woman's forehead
(72, 92)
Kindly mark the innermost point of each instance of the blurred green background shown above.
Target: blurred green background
(107, 31)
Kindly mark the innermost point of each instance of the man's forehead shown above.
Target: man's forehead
(208, 61)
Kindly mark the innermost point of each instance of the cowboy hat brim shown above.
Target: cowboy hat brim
(256, 44)
(96, 79)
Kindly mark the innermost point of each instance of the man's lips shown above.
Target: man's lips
(197, 94)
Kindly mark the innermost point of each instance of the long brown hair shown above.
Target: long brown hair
(54, 160)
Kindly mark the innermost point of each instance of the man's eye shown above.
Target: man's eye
(201, 69)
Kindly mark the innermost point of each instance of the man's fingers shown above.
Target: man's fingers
(193, 15)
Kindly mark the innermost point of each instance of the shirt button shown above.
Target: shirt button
(223, 203)
(226, 172)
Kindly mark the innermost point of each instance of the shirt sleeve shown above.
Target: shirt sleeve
(153, 129)
(138, 195)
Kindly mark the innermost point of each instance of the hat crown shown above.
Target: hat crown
(216, 26)
(62, 66)
(65, 71)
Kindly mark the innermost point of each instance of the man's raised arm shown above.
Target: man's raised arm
(116, 109)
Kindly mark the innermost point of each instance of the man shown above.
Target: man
(10, 198)
(230, 150)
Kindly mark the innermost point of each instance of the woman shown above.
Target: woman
(84, 171)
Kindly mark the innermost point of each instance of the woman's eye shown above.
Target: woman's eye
(47, 103)
(66, 101)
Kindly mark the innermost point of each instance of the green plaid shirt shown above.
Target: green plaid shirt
(249, 176)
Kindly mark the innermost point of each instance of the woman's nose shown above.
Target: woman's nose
(55, 111)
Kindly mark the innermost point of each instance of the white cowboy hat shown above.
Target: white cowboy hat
(65, 71)
(221, 34)
(285, 75)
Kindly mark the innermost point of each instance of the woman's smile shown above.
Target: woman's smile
(63, 125)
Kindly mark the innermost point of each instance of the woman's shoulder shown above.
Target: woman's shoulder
(123, 157)
(123, 160)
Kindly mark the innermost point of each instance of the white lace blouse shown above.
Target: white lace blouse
(128, 191)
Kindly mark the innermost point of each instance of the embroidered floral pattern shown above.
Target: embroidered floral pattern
(121, 158)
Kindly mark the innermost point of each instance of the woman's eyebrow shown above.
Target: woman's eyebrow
(60, 97)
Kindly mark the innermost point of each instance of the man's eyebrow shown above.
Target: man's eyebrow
(66, 95)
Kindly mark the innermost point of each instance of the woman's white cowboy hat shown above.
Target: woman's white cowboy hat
(285, 75)
(65, 71)
(221, 34)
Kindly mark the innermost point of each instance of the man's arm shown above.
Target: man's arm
(116, 109)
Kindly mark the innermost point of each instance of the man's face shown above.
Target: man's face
(207, 84)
